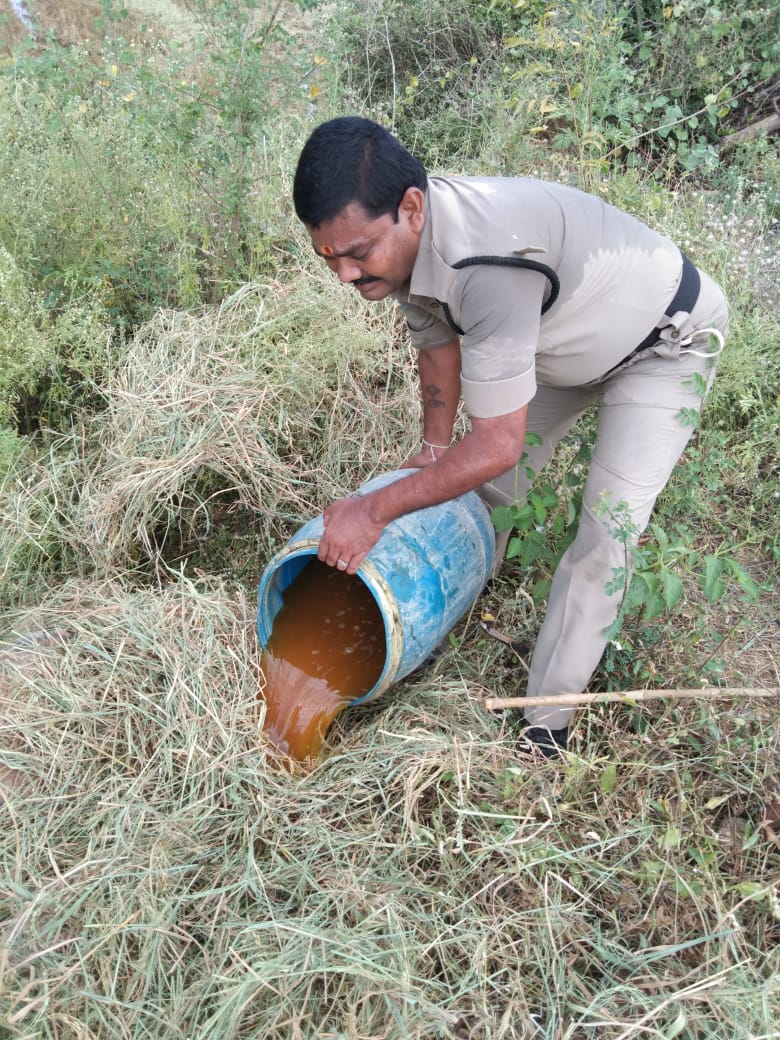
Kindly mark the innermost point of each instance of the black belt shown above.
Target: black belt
(683, 300)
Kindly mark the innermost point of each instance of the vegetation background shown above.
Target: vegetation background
(181, 385)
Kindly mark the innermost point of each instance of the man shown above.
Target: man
(530, 301)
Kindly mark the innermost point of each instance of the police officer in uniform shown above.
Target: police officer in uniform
(529, 301)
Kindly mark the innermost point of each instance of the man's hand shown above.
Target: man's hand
(349, 534)
(354, 525)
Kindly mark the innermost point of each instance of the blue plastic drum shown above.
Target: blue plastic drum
(425, 573)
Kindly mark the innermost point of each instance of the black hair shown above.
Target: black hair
(353, 160)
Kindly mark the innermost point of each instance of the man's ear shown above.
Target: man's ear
(413, 208)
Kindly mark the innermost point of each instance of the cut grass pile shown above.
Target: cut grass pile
(163, 877)
(268, 405)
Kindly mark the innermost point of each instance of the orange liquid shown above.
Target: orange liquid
(327, 647)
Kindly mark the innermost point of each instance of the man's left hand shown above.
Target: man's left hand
(349, 534)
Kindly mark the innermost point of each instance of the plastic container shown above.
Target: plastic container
(425, 573)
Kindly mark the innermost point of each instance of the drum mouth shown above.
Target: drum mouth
(285, 567)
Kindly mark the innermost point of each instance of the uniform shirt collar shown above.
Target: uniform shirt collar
(432, 276)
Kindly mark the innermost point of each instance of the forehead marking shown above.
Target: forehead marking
(327, 251)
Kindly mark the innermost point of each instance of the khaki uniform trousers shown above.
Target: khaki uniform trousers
(639, 441)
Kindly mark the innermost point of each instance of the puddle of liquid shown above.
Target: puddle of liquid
(327, 648)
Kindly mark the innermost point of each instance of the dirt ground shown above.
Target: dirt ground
(69, 21)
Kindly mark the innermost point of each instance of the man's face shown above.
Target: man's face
(374, 255)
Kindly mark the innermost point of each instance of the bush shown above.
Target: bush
(424, 68)
(621, 81)
(48, 357)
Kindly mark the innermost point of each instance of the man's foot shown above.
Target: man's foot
(551, 743)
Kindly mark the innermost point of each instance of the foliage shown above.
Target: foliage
(576, 76)
(424, 68)
(48, 356)
(650, 583)
(131, 179)
(544, 523)
(582, 77)
(705, 55)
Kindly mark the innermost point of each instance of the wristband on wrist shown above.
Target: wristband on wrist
(435, 447)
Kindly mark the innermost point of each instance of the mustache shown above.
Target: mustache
(363, 281)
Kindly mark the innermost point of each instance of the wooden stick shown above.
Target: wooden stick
(768, 125)
(575, 699)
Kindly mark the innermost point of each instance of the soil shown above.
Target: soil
(72, 21)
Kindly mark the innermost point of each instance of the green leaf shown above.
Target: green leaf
(531, 548)
(676, 1027)
(514, 548)
(608, 778)
(503, 518)
(744, 580)
(688, 416)
(652, 598)
(751, 890)
(712, 584)
(714, 802)
(541, 590)
(671, 838)
(672, 588)
(654, 607)
(660, 536)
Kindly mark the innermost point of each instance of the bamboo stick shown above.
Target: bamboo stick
(625, 696)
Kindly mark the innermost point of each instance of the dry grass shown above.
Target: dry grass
(265, 405)
(163, 878)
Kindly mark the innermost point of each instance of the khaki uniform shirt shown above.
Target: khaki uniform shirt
(616, 278)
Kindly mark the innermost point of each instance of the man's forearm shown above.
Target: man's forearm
(439, 371)
(353, 525)
(492, 447)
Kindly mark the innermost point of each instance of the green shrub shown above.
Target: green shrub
(424, 68)
(133, 169)
(652, 87)
(703, 61)
(47, 358)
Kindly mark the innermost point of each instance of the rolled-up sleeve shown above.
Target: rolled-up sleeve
(486, 400)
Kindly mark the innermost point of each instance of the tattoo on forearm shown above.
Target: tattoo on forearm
(431, 393)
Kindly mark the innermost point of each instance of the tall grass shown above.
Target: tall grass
(259, 409)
